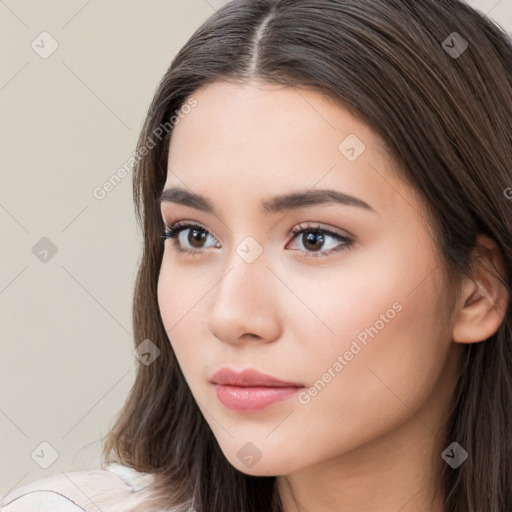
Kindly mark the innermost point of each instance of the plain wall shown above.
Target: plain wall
(68, 122)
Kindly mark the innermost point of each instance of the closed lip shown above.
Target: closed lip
(249, 378)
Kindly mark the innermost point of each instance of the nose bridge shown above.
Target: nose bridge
(242, 302)
(247, 276)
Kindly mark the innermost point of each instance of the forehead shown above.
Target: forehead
(268, 110)
(251, 140)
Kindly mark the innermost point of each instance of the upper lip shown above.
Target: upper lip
(248, 378)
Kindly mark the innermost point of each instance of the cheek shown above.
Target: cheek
(181, 294)
(167, 292)
(363, 301)
(384, 296)
(379, 386)
(180, 290)
(173, 301)
(382, 350)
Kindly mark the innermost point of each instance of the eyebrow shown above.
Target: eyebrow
(285, 202)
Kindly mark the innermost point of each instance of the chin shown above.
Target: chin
(276, 463)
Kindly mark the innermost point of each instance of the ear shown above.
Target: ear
(484, 298)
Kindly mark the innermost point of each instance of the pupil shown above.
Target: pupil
(312, 237)
(193, 239)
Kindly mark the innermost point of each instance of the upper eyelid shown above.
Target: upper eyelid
(321, 227)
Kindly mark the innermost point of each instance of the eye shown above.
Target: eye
(196, 236)
(312, 238)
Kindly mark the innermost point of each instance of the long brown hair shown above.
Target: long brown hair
(444, 111)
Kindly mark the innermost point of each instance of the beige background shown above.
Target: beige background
(67, 123)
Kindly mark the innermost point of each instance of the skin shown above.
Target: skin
(367, 441)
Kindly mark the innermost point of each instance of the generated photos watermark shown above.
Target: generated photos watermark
(356, 346)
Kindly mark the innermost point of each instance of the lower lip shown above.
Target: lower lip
(252, 398)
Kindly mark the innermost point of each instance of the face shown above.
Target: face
(338, 293)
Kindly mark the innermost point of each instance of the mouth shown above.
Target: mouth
(251, 390)
(247, 398)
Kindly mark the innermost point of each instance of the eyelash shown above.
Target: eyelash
(173, 231)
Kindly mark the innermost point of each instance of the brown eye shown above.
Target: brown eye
(196, 237)
(188, 238)
(314, 241)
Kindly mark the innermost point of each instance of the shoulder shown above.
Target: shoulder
(77, 491)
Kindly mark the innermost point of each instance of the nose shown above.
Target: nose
(245, 307)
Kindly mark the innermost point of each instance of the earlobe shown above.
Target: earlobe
(484, 300)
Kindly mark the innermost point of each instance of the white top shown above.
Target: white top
(111, 489)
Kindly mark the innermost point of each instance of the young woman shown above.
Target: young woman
(325, 193)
